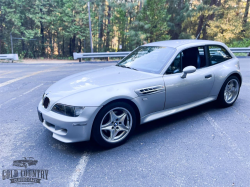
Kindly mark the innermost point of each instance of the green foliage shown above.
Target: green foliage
(241, 43)
(61, 27)
(152, 21)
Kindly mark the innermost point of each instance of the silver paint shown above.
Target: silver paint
(96, 88)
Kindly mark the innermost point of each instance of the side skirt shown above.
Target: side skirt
(175, 110)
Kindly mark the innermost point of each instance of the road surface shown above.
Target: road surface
(204, 146)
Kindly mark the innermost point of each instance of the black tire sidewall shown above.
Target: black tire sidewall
(96, 135)
(221, 99)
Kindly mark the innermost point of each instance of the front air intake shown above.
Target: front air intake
(46, 102)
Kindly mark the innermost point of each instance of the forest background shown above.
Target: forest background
(60, 27)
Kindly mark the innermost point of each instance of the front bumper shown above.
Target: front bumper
(68, 129)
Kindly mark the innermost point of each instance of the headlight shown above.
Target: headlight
(72, 111)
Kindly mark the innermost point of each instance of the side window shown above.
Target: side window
(194, 56)
(175, 67)
(218, 54)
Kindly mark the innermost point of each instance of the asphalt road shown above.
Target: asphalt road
(204, 146)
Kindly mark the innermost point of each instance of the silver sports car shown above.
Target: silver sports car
(153, 81)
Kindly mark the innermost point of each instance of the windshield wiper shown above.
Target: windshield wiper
(123, 66)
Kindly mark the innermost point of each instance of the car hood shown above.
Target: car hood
(95, 78)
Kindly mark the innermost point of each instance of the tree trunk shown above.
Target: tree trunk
(100, 33)
(151, 36)
(70, 42)
(209, 17)
(140, 6)
(73, 44)
(63, 52)
(42, 40)
(216, 3)
(51, 44)
(200, 24)
(246, 13)
(80, 46)
(175, 8)
(84, 45)
(23, 48)
(0, 35)
(108, 29)
(58, 44)
(1, 30)
(179, 24)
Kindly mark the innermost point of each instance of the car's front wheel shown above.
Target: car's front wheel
(229, 92)
(114, 124)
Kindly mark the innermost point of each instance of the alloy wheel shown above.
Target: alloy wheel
(116, 124)
(231, 91)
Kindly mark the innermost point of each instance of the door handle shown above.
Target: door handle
(208, 76)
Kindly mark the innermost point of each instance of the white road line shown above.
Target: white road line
(222, 133)
(7, 101)
(241, 113)
(20, 78)
(21, 95)
(8, 72)
(29, 75)
(32, 89)
(79, 171)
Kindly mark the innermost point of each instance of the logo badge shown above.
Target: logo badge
(25, 176)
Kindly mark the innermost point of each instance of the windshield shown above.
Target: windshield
(150, 59)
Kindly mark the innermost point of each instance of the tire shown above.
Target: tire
(227, 95)
(114, 124)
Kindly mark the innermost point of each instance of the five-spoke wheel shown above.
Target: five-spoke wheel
(114, 124)
(229, 92)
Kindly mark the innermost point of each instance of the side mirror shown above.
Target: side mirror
(186, 70)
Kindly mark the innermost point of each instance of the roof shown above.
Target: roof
(178, 43)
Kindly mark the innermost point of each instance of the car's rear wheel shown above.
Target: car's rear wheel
(114, 124)
(229, 92)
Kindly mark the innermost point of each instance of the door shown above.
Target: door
(195, 86)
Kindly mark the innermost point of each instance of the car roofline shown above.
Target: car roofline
(181, 43)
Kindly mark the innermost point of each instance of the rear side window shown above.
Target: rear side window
(218, 54)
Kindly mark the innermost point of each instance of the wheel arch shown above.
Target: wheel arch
(237, 75)
(232, 74)
(135, 107)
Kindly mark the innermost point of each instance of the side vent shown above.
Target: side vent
(150, 90)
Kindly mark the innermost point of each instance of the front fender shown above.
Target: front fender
(98, 97)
